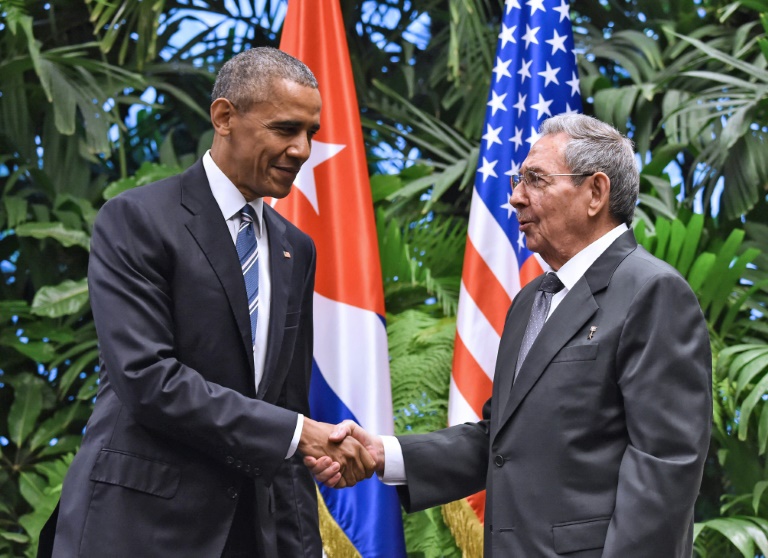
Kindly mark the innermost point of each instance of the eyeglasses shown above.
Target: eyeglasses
(531, 179)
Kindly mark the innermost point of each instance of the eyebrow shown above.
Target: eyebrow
(295, 124)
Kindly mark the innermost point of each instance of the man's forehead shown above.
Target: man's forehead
(547, 149)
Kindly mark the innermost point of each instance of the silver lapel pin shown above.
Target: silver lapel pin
(592, 331)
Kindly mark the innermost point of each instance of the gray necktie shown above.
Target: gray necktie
(549, 286)
(248, 251)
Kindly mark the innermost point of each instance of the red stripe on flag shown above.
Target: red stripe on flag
(470, 378)
(477, 502)
(529, 271)
(484, 288)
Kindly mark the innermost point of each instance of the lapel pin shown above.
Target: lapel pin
(286, 254)
(592, 331)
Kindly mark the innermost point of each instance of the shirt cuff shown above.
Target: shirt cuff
(296, 436)
(394, 466)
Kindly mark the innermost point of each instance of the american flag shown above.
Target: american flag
(534, 77)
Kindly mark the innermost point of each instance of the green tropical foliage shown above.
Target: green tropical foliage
(98, 97)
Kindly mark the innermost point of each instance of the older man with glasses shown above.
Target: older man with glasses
(593, 443)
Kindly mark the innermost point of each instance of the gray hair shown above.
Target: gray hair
(596, 146)
(247, 78)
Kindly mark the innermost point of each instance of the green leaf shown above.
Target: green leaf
(750, 402)
(26, 407)
(66, 298)
(14, 537)
(700, 271)
(39, 351)
(762, 431)
(147, 173)
(56, 425)
(56, 231)
(383, 185)
(735, 531)
(74, 370)
(657, 205)
(663, 228)
(89, 388)
(691, 243)
(676, 239)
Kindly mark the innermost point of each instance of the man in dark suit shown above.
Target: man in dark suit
(191, 450)
(592, 445)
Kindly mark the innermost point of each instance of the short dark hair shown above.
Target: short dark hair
(247, 78)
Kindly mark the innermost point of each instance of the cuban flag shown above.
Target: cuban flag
(331, 201)
(534, 77)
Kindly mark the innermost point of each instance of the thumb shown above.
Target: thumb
(342, 430)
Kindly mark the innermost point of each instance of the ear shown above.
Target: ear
(222, 112)
(600, 191)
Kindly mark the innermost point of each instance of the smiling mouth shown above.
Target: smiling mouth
(289, 170)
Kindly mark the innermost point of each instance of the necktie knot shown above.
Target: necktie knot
(551, 284)
(247, 215)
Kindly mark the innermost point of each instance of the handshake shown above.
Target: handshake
(342, 455)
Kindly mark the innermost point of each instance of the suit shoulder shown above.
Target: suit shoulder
(155, 195)
(643, 264)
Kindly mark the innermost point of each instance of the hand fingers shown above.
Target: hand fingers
(368, 462)
(342, 430)
(328, 473)
(334, 481)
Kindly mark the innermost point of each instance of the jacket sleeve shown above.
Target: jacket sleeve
(445, 465)
(665, 377)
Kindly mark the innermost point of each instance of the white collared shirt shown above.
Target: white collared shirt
(569, 274)
(575, 268)
(231, 201)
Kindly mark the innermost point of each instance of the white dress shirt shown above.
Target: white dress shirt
(569, 274)
(231, 201)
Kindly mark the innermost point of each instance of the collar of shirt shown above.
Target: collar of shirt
(229, 198)
(577, 266)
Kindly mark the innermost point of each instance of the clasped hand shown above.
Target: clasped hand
(337, 455)
(342, 455)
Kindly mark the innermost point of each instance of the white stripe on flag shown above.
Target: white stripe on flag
(476, 333)
(359, 377)
(459, 410)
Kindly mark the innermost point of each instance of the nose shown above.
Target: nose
(300, 147)
(517, 197)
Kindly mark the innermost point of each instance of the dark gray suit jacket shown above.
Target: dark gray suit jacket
(178, 429)
(598, 449)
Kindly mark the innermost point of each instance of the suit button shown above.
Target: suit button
(238, 463)
(232, 492)
(498, 460)
(230, 460)
(256, 472)
(247, 468)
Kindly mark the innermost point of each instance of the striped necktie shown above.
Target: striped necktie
(248, 251)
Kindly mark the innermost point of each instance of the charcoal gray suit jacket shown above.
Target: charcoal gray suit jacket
(178, 428)
(598, 448)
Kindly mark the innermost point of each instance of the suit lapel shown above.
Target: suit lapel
(569, 317)
(511, 339)
(209, 229)
(281, 268)
(572, 313)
